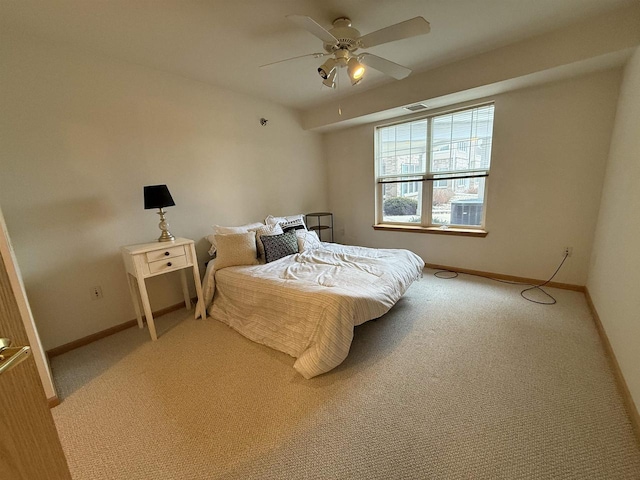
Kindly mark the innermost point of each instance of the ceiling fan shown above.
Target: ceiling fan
(343, 41)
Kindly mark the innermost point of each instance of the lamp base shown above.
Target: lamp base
(166, 235)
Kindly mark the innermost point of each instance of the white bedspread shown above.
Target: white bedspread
(307, 304)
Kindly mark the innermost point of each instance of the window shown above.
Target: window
(432, 172)
(410, 188)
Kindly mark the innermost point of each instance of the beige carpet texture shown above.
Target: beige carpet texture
(462, 379)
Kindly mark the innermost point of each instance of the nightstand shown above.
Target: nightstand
(319, 226)
(157, 258)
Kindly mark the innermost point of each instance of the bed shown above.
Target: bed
(307, 304)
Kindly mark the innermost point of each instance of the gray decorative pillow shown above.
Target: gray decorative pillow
(279, 246)
(266, 230)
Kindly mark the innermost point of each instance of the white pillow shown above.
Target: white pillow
(227, 230)
(235, 249)
(287, 223)
(266, 230)
(307, 240)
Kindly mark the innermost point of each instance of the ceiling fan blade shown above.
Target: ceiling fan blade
(314, 55)
(408, 28)
(385, 66)
(311, 26)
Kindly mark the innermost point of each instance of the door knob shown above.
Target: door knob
(11, 356)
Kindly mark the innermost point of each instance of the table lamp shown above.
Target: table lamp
(158, 196)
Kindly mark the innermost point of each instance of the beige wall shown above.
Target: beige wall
(614, 276)
(550, 149)
(81, 135)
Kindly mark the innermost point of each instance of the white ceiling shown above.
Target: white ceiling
(222, 42)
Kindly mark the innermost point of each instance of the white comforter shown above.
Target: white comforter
(307, 304)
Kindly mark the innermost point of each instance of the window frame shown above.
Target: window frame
(430, 181)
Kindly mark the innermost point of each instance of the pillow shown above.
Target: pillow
(293, 222)
(227, 230)
(307, 240)
(235, 249)
(293, 225)
(240, 229)
(279, 246)
(265, 230)
(271, 220)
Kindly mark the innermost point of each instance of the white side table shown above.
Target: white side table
(150, 259)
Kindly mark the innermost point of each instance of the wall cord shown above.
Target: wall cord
(439, 273)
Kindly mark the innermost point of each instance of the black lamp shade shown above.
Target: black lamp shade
(157, 196)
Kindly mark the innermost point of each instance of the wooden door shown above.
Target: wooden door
(29, 444)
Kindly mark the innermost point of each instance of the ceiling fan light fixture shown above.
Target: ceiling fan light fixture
(327, 68)
(330, 80)
(356, 71)
(343, 41)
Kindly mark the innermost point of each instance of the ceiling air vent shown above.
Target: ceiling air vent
(415, 107)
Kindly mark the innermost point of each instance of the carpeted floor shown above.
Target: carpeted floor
(462, 379)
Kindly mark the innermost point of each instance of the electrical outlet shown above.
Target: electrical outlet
(96, 292)
(568, 251)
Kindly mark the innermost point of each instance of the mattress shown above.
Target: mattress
(307, 304)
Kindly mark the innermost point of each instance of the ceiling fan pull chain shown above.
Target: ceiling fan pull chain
(338, 89)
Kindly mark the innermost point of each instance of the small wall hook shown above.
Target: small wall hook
(263, 121)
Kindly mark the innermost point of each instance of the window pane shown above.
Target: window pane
(402, 202)
(419, 145)
(441, 144)
(401, 145)
(460, 203)
(462, 140)
(482, 135)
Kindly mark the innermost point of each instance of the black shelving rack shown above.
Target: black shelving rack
(317, 224)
